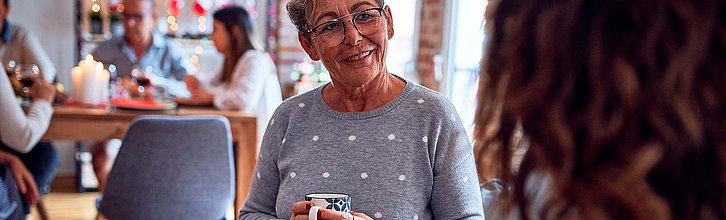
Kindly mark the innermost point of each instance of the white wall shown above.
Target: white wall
(51, 21)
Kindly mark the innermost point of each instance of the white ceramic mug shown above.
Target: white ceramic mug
(333, 201)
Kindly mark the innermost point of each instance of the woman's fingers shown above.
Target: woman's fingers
(360, 215)
(301, 207)
(326, 214)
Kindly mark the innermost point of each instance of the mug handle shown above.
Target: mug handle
(313, 213)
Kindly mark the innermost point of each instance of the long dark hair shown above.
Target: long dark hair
(239, 26)
(622, 105)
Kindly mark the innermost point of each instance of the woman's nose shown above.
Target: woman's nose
(352, 36)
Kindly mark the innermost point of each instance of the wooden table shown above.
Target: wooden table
(94, 124)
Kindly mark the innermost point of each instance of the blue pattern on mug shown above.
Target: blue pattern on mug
(341, 204)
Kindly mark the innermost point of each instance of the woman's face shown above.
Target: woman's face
(358, 58)
(220, 36)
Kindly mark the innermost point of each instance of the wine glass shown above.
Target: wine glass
(142, 78)
(25, 74)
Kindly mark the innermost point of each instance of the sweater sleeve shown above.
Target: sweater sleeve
(262, 198)
(18, 131)
(455, 193)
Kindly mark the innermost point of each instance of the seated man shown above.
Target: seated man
(140, 48)
(19, 45)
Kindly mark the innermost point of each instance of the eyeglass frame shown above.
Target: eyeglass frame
(381, 10)
(135, 17)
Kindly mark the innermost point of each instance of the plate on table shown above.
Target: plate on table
(142, 104)
(192, 102)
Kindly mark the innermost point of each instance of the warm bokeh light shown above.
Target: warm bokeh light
(174, 27)
(95, 8)
(202, 28)
(120, 8)
(194, 59)
(171, 19)
(202, 19)
(198, 50)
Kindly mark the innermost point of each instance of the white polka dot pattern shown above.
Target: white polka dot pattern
(258, 175)
(301, 105)
(351, 138)
(391, 137)
(293, 174)
(315, 138)
(415, 217)
(378, 215)
(363, 175)
(425, 139)
(326, 175)
(420, 101)
(402, 177)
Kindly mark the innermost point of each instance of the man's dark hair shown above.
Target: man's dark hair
(7, 3)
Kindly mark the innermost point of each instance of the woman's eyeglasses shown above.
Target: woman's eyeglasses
(332, 32)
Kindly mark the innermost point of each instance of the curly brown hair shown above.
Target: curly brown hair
(622, 106)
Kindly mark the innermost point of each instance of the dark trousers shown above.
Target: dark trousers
(42, 162)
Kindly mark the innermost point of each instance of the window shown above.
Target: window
(466, 41)
(401, 50)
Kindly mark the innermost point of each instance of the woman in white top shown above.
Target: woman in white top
(20, 132)
(248, 79)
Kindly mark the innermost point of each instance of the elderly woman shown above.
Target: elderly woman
(398, 149)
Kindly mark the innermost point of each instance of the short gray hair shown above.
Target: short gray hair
(300, 10)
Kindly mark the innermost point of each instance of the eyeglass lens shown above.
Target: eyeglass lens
(367, 22)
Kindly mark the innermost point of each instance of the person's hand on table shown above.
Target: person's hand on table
(23, 178)
(42, 89)
(300, 211)
(198, 95)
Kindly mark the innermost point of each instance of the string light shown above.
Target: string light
(174, 27)
(171, 19)
(95, 8)
(198, 50)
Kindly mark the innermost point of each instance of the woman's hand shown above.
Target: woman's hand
(300, 211)
(23, 179)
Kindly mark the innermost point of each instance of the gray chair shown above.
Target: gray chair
(172, 167)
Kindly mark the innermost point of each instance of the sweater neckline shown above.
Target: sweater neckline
(407, 90)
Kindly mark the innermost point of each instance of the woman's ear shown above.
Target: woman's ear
(390, 22)
(308, 47)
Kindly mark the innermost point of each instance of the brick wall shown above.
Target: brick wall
(431, 38)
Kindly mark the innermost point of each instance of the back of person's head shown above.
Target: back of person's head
(620, 104)
(7, 3)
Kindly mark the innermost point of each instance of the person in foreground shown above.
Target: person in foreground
(399, 150)
(21, 132)
(620, 104)
(248, 80)
(20, 46)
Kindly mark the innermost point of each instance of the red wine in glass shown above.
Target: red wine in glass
(26, 81)
(143, 81)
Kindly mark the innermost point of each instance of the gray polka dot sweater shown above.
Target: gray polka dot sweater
(410, 159)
